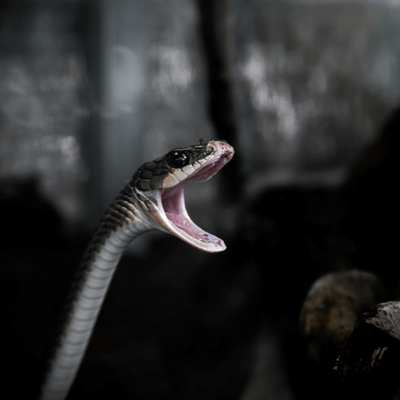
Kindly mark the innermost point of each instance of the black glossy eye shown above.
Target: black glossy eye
(178, 159)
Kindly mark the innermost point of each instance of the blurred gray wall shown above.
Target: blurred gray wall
(89, 90)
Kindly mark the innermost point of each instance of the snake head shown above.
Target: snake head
(162, 182)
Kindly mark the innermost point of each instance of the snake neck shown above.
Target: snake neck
(121, 224)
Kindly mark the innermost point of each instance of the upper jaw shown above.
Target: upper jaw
(221, 154)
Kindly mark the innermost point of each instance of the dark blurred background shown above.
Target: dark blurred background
(308, 94)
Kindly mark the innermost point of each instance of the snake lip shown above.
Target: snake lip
(171, 212)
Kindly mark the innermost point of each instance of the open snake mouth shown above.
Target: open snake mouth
(172, 215)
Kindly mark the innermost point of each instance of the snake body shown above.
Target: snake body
(152, 199)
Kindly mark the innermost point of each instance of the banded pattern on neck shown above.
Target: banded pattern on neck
(122, 223)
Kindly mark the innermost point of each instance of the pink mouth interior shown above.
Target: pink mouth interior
(174, 203)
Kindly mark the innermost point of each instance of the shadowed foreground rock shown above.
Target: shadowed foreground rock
(332, 307)
(369, 358)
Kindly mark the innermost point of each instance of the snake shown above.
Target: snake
(152, 200)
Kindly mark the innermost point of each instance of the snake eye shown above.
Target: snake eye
(178, 159)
